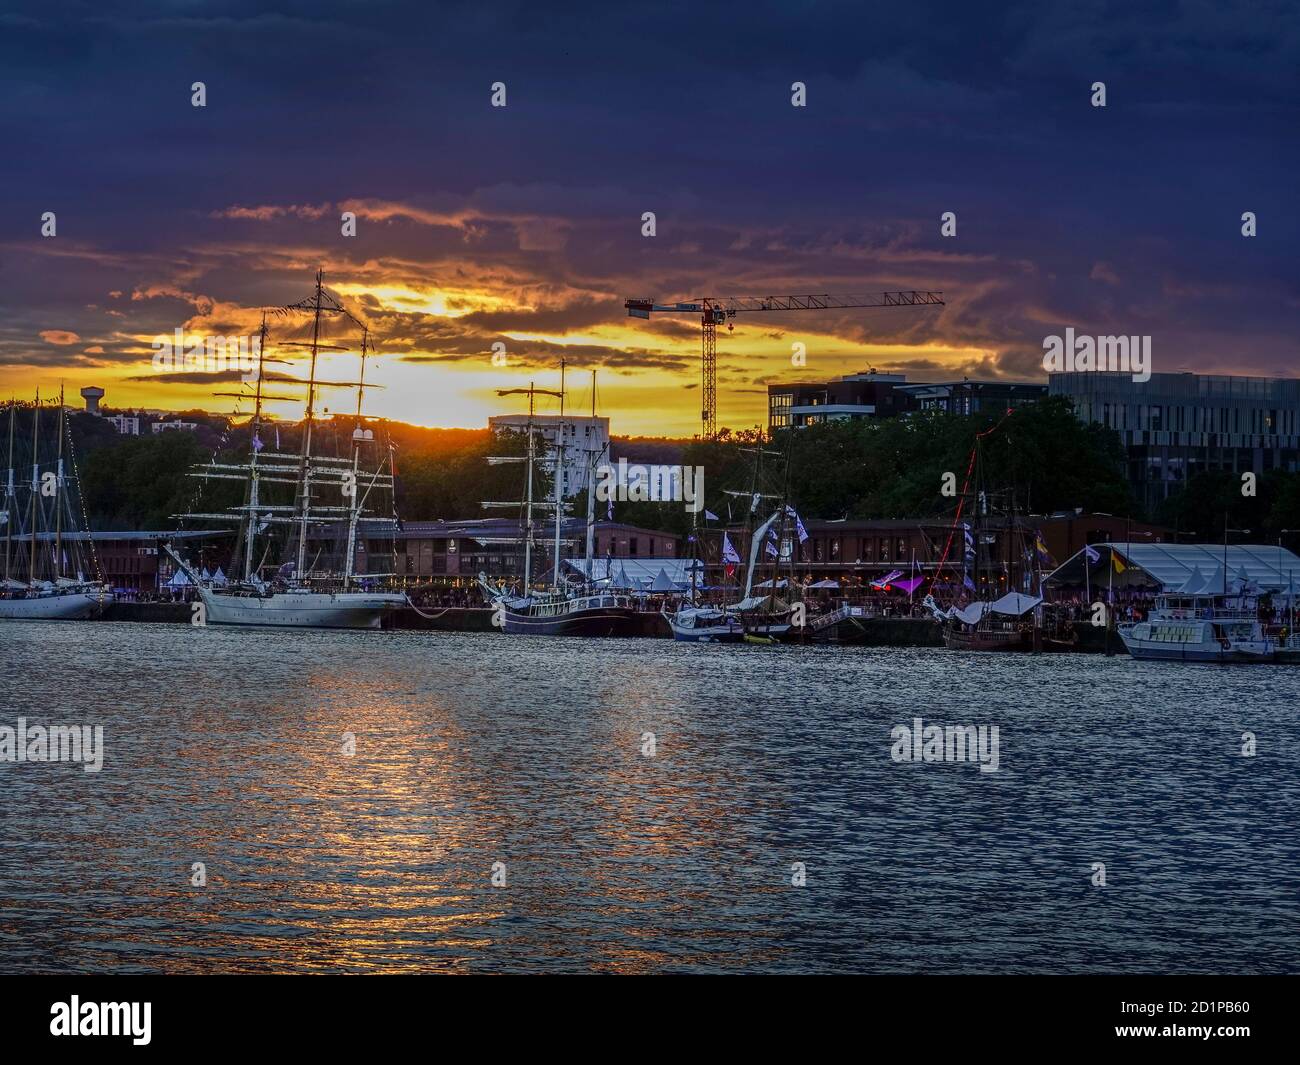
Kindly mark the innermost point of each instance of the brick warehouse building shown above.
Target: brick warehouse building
(860, 550)
(445, 551)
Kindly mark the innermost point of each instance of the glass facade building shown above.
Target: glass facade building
(1177, 425)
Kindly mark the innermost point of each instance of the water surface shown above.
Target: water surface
(226, 747)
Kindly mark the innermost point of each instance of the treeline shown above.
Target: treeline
(869, 468)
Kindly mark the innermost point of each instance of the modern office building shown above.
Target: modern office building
(581, 437)
(879, 395)
(1177, 425)
(972, 397)
(861, 395)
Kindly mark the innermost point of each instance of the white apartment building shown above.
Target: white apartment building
(581, 436)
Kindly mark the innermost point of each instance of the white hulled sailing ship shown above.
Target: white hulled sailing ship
(298, 592)
(39, 581)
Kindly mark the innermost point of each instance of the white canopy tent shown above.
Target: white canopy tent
(1169, 567)
(640, 572)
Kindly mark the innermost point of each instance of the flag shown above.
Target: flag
(883, 584)
(798, 523)
(1091, 555)
(1119, 566)
(710, 516)
(771, 548)
(1044, 555)
(968, 582)
(257, 443)
(729, 555)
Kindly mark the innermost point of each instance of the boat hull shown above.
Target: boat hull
(1021, 642)
(728, 630)
(70, 606)
(602, 621)
(1165, 652)
(301, 610)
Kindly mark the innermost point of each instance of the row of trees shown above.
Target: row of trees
(870, 468)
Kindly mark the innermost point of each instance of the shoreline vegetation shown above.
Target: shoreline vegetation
(890, 468)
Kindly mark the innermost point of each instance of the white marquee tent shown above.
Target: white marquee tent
(1174, 567)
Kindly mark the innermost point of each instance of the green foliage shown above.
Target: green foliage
(868, 468)
(1210, 498)
(894, 467)
(140, 482)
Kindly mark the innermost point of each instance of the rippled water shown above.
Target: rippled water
(225, 746)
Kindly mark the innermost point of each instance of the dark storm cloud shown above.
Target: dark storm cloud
(1122, 219)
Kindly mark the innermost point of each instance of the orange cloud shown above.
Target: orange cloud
(59, 336)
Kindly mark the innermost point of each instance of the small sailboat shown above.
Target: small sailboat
(294, 594)
(48, 592)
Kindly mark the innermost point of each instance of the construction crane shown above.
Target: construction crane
(715, 310)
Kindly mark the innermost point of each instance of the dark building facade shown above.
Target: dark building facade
(877, 395)
(1177, 425)
(444, 552)
(855, 552)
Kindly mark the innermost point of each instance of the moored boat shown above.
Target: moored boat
(1216, 627)
(294, 596)
(47, 594)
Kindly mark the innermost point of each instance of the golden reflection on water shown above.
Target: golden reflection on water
(226, 747)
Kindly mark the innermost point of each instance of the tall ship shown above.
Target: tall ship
(564, 607)
(1002, 575)
(45, 564)
(308, 496)
(754, 617)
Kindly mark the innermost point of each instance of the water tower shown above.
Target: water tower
(92, 395)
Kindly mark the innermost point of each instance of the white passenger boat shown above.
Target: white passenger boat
(1217, 627)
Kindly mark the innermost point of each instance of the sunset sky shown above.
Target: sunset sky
(522, 224)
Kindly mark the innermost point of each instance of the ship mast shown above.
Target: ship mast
(559, 480)
(304, 462)
(349, 559)
(532, 392)
(10, 496)
(592, 456)
(36, 491)
(58, 499)
(254, 447)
